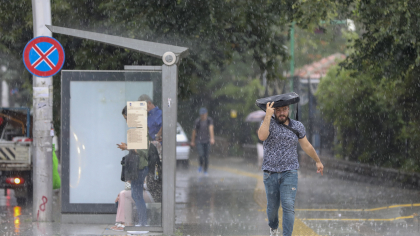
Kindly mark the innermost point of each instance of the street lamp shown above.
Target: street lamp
(4, 89)
(292, 61)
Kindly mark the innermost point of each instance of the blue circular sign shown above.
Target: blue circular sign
(43, 56)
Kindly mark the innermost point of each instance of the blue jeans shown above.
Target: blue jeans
(281, 187)
(203, 153)
(137, 195)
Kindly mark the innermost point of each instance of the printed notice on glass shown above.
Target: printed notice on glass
(137, 114)
(137, 121)
(137, 138)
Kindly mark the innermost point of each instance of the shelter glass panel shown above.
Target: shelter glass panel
(96, 135)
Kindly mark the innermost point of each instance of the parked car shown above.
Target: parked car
(182, 146)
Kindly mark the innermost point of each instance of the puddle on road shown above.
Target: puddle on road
(12, 216)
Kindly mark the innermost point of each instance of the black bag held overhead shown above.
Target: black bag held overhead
(279, 100)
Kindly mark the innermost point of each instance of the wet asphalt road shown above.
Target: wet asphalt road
(231, 201)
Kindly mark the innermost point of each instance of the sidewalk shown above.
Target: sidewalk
(219, 204)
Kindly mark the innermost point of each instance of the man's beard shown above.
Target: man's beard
(281, 119)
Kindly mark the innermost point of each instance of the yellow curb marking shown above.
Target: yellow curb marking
(391, 219)
(372, 209)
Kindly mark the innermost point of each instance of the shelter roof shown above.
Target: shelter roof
(146, 47)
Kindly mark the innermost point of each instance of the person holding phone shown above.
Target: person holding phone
(137, 183)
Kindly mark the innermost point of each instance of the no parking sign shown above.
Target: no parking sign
(43, 56)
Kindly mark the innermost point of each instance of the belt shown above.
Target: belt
(270, 172)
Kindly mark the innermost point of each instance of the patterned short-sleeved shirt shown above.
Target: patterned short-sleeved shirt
(280, 148)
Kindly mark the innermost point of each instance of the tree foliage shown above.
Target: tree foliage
(389, 44)
(380, 88)
(213, 31)
(371, 126)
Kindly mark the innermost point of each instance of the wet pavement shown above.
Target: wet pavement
(231, 201)
(221, 203)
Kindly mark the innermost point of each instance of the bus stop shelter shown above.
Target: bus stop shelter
(92, 125)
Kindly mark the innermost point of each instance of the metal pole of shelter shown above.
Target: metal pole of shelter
(42, 140)
(170, 109)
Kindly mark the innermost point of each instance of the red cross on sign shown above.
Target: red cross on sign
(43, 56)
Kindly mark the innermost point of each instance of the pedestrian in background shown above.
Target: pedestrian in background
(154, 124)
(280, 164)
(202, 137)
(154, 118)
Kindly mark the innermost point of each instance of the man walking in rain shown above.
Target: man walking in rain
(280, 164)
(202, 136)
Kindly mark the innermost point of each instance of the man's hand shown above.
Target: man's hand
(192, 144)
(122, 146)
(320, 168)
(264, 129)
(269, 110)
(212, 141)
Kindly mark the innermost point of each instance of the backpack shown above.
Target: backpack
(287, 127)
(197, 127)
(130, 164)
(153, 157)
(291, 129)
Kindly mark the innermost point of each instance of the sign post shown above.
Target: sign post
(42, 113)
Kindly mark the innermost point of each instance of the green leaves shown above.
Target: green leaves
(375, 118)
(364, 115)
(387, 43)
(382, 67)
